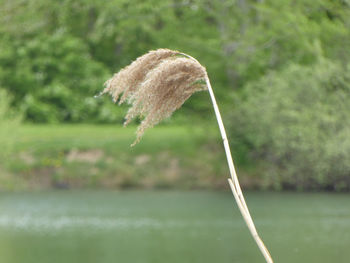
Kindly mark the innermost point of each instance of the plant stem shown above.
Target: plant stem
(233, 181)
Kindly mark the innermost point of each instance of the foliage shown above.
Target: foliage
(55, 56)
(57, 59)
(52, 78)
(9, 124)
(295, 124)
(258, 36)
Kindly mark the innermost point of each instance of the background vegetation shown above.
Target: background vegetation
(280, 70)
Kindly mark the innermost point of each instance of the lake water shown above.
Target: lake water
(167, 227)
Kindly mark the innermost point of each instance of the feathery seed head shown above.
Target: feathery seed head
(156, 85)
(128, 79)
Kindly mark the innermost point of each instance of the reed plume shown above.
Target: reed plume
(163, 91)
(128, 79)
(157, 84)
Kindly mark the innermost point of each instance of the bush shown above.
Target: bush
(294, 125)
(53, 79)
(9, 123)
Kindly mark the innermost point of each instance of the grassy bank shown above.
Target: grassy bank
(100, 156)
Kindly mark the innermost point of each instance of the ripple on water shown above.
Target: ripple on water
(50, 224)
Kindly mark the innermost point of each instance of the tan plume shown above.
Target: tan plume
(156, 85)
(164, 90)
(128, 79)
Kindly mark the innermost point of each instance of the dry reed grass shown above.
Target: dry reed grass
(155, 85)
(128, 79)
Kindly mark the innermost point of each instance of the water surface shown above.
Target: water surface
(142, 227)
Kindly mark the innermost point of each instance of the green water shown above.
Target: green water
(141, 227)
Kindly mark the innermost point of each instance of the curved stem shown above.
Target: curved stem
(233, 181)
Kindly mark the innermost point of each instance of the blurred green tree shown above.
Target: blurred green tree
(260, 35)
(52, 78)
(55, 55)
(294, 125)
(9, 123)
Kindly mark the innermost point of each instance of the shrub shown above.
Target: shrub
(53, 79)
(9, 122)
(294, 125)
